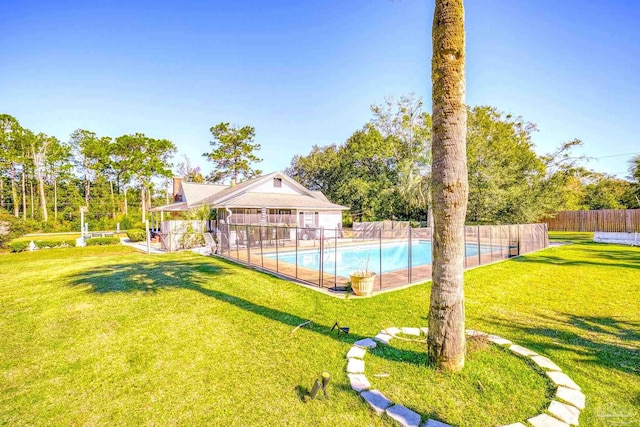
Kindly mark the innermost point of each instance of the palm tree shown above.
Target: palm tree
(446, 340)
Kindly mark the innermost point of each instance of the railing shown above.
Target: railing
(324, 258)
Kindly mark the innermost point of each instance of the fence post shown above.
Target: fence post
(297, 236)
(409, 252)
(380, 258)
(479, 248)
(320, 259)
(335, 258)
(248, 236)
(261, 229)
(277, 256)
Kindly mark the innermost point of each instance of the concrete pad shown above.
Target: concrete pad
(425, 330)
(359, 382)
(567, 413)
(545, 363)
(474, 333)
(411, 331)
(434, 423)
(499, 340)
(366, 343)
(515, 425)
(355, 366)
(574, 397)
(404, 416)
(517, 349)
(544, 420)
(393, 331)
(376, 400)
(383, 338)
(357, 352)
(562, 379)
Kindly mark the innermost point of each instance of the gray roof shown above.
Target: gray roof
(240, 195)
(195, 193)
(279, 200)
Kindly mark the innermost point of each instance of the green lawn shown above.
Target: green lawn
(570, 236)
(105, 336)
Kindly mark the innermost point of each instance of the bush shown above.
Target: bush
(55, 243)
(10, 227)
(136, 235)
(101, 241)
(18, 246)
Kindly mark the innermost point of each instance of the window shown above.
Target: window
(277, 182)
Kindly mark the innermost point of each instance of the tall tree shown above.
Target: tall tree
(40, 146)
(446, 338)
(142, 158)
(88, 151)
(634, 169)
(11, 134)
(233, 153)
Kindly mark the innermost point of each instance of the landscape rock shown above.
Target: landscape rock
(366, 343)
(434, 423)
(383, 338)
(499, 340)
(411, 331)
(515, 425)
(474, 333)
(355, 351)
(393, 331)
(359, 382)
(567, 413)
(562, 379)
(545, 363)
(574, 397)
(544, 420)
(404, 416)
(377, 400)
(355, 366)
(522, 351)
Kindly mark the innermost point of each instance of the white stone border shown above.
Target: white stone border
(563, 412)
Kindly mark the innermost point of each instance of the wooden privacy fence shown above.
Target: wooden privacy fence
(612, 220)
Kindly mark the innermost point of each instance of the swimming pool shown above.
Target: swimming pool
(386, 258)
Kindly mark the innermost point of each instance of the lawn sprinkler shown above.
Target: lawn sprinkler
(343, 329)
(325, 378)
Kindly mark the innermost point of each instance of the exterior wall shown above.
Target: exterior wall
(330, 219)
(268, 187)
(619, 238)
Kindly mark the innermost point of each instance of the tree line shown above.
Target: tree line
(383, 170)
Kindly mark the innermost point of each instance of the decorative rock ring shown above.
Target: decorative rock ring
(563, 411)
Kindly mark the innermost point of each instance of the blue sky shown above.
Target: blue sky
(306, 72)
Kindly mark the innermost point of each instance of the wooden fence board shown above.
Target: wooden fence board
(612, 220)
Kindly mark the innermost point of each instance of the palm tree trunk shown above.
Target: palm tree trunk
(143, 199)
(446, 340)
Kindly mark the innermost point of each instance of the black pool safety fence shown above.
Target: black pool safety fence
(398, 256)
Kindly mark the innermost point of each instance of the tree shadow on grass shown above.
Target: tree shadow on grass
(627, 258)
(154, 276)
(597, 338)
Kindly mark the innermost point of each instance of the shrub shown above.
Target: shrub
(18, 246)
(136, 235)
(54, 243)
(10, 227)
(101, 241)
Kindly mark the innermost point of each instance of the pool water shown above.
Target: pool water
(344, 260)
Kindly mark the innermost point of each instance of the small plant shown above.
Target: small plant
(136, 235)
(18, 246)
(191, 239)
(41, 244)
(102, 241)
(363, 271)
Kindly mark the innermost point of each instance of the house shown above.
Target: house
(273, 199)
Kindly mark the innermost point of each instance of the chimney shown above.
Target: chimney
(177, 182)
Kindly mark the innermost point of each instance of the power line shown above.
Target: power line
(615, 155)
